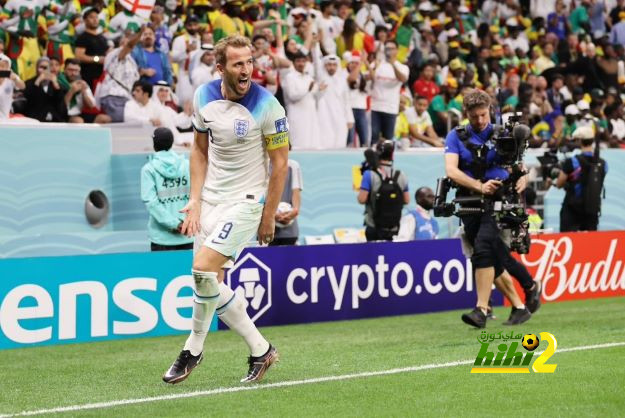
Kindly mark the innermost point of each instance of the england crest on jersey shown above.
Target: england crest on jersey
(240, 127)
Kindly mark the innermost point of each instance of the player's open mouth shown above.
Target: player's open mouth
(243, 82)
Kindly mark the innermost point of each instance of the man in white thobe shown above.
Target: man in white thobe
(142, 109)
(203, 68)
(299, 95)
(333, 105)
(181, 50)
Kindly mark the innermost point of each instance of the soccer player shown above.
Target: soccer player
(239, 127)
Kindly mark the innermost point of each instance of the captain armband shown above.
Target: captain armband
(275, 141)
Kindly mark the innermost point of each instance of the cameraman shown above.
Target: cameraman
(478, 172)
(581, 207)
(384, 192)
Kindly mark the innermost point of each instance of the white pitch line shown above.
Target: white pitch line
(220, 391)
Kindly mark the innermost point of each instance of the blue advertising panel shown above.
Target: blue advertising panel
(336, 282)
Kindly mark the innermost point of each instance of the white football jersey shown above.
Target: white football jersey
(239, 135)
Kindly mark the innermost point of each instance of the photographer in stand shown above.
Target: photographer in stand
(473, 163)
(582, 177)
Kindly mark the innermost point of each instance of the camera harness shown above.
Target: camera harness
(478, 164)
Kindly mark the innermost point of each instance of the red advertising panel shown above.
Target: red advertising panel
(580, 265)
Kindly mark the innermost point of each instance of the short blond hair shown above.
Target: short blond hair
(476, 99)
(234, 41)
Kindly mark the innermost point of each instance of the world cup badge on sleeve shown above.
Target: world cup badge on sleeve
(282, 125)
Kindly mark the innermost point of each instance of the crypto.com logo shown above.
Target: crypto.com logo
(250, 278)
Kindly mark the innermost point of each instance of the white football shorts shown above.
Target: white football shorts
(228, 227)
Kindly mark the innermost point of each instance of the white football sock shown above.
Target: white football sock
(232, 312)
(205, 299)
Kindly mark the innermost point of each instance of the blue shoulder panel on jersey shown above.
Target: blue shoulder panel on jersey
(210, 92)
(256, 100)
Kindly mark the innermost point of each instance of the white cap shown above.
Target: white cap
(571, 110)
(207, 47)
(426, 6)
(512, 21)
(583, 105)
(583, 132)
(5, 58)
(452, 32)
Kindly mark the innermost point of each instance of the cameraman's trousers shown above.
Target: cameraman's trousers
(489, 250)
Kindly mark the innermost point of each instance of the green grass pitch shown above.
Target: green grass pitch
(586, 382)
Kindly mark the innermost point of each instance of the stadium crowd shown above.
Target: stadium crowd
(348, 72)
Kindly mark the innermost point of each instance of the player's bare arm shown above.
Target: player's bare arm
(279, 162)
(198, 165)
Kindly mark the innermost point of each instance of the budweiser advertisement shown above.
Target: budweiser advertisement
(578, 265)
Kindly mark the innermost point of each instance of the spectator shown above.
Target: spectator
(287, 230)
(369, 16)
(55, 65)
(544, 61)
(617, 34)
(557, 21)
(153, 64)
(579, 18)
(419, 223)
(597, 15)
(142, 109)
(388, 77)
(331, 26)
(78, 95)
(165, 187)
(204, 69)
(122, 22)
(352, 38)
(163, 95)
(263, 72)
(420, 124)
(614, 113)
(44, 95)
(517, 38)
(91, 48)
(163, 38)
(553, 94)
(333, 105)
(425, 85)
(442, 104)
(299, 95)
(359, 84)
(121, 74)
(229, 22)
(21, 21)
(571, 116)
(61, 19)
(608, 66)
(181, 50)
(7, 86)
(613, 17)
